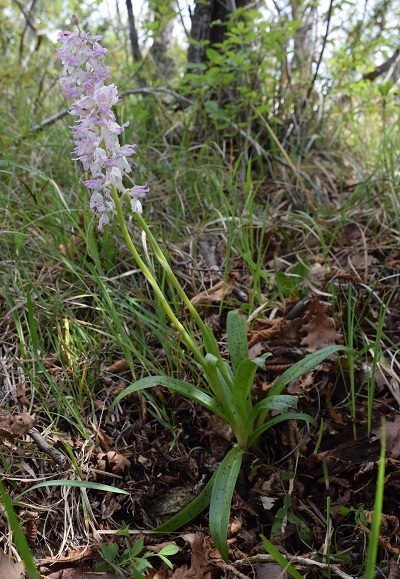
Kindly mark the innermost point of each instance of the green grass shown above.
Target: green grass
(74, 301)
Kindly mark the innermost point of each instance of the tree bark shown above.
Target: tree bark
(162, 43)
(205, 13)
(136, 54)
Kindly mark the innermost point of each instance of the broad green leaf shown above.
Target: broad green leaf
(168, 550)
(241, 389)
(305, 365)
(109, 551)
(214, 56)
(219, 379)
(211, 375)
(83, 484)
(278, 403)
(137, 574)
(236, 330)
(305, 533)
(221, 499)
(232, 412)
(184, 388)
(280, 559)
(190, 512)
(137, 548)
(260, 360)
(276, 420)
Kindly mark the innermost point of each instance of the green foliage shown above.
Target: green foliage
(240, 76)
(229, 397)
(132, 559)
(74, 303)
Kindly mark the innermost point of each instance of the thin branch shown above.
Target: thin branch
(296, 560)
(382, 68)
(47, 448)
(321, 54)
(259, 150)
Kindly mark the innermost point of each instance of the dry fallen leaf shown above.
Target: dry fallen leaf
(392, 430)
(104, 440)
(118, 366)
(15, 426)
(263, 330)
(214, 295)
(74, 556)
(320, 330)
(9, 568)
(80, 573)
(200, 552)
(109, 506)
(118, 461)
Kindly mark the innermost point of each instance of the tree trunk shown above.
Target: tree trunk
(162, 42)
(137, 55)
(205, 13)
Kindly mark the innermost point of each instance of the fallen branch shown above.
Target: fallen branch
(296, 560)
(47, 448)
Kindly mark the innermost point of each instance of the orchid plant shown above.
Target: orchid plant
(227, 388)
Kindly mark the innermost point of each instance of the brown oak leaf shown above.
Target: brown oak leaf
(117, 461)
(214, 295)
(320, 330)
(15, 426)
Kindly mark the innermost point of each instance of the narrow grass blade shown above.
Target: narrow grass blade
(221, 499)
(191, 511)
(305, 365)
(376, 517)
(18, 535)
(280, 559)
(236, 330)
(83, 484)
(183, 388)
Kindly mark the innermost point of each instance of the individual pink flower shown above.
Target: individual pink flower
(96, 132)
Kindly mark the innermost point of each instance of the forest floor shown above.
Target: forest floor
(310, 492)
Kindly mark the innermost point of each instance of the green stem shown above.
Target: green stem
(153, 282)
(210, 342)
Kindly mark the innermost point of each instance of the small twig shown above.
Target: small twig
(47, 448)
(304, 561)
(232, 569)
(321, 54)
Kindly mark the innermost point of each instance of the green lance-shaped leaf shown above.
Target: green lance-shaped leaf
(241, 388)
(277, 403)
(221, 499)
(190, 512)
(236, 330)
(184, 388)
(276, 420)
(305, 365)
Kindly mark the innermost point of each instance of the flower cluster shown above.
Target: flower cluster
(96, 132)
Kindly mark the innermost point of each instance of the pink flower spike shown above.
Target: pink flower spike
(96, 132)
